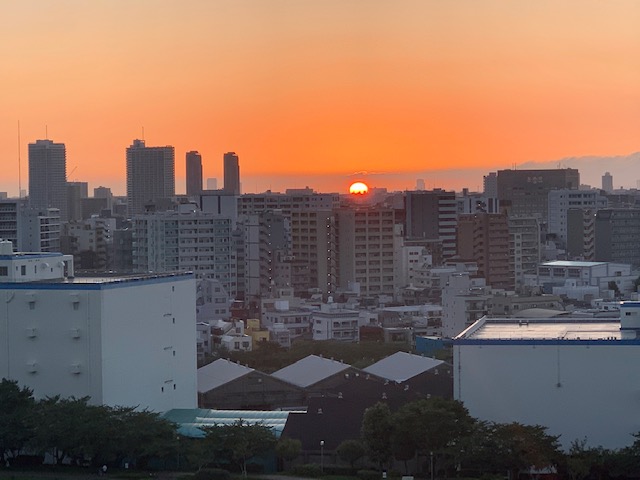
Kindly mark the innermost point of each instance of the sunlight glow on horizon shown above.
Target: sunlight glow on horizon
(320, 88)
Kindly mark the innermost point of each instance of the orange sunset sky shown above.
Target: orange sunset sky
(310, 92)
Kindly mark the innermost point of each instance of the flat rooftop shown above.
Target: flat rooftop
(96, 282)
(571, 263)
(578, 329)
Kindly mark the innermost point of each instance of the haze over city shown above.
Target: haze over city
(317, 93)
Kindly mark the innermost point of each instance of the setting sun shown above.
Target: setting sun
(358, 188)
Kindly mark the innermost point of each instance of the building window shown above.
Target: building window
(23, 270)
(4, 271)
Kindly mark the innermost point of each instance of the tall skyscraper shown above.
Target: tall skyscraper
(194, 173)
(231, 173)
(150, 175)
(48, 176)
(607, 182)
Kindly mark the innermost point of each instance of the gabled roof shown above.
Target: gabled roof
(218, 373)
(402, 366)
(310, 370)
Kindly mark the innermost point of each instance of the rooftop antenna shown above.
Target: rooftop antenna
(19, 165)
(143, 133)
(46, 132)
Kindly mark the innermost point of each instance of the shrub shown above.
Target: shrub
(308, 470)
(255, 468)
(369, 475)
(342, 470)
(212, 474)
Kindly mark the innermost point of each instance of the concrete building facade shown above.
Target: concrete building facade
(616, 235)
(484, 238)
(368, 249)
(48, 176)
(231, 173)
(194, 173)
(575, 376)
(198, 242)
(94, 337)
(525, 192)
(150, 175)
(432, 215)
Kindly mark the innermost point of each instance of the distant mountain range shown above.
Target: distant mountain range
(625, 169)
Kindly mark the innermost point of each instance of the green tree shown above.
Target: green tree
(288, 448)
(16, 417)
(431, 426)
(518, 447)
(65, 427)
(376, 433)
(351, 451)
(241, 441)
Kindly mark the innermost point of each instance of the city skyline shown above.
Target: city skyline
(309, 94)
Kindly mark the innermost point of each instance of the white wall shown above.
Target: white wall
(111, 342)
(139, 338)
(597, 398)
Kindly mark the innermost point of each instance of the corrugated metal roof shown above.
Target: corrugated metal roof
(191, 420)
(218, 373)
(309, 370)
(401, 366)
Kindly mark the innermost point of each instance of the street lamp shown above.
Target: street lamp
(431, 461)
(321, 456)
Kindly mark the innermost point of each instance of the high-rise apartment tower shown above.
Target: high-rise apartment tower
(48, 176)
(150, 175)
(231, 173)
(194, 173)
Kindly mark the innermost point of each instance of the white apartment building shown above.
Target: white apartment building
(126, 340)
(561, 273)
(464, 300)
(560, 201)
(296, 321)
(186, 241)
(29, 229)
(524, 247)
(332, 322)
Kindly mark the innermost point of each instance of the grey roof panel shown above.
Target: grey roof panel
(310, 370)
(218, 373)
(401, 366)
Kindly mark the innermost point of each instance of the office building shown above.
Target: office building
(94, 337)
(194, 173)
(231, 174)
(561, 200)
(616, 235)
(432, 215)
(150, 175)
(48, 176)
(526, 192)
